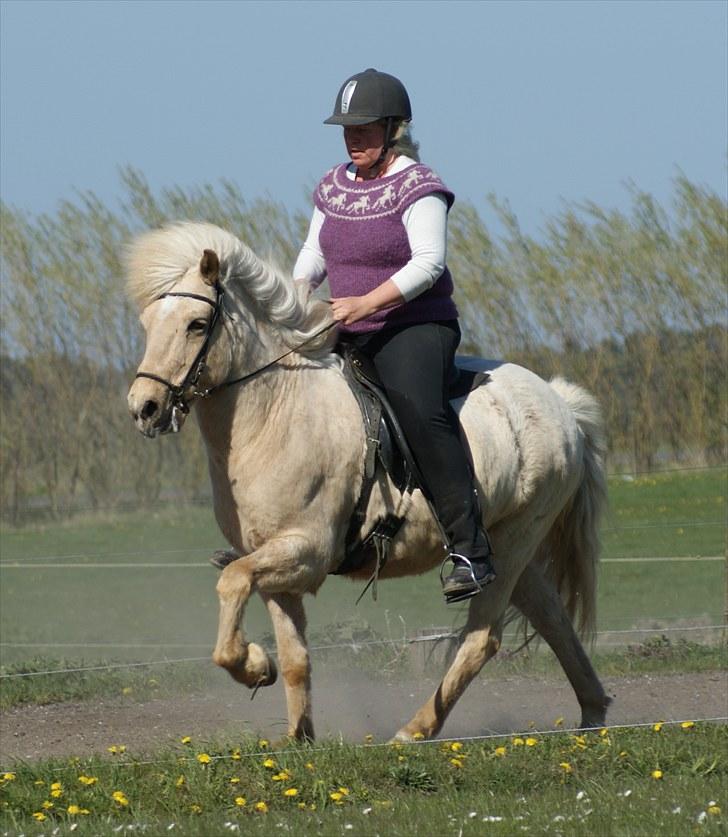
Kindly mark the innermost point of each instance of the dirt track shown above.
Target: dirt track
(351, 705)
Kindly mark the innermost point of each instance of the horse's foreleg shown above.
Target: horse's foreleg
(289, 622)
(482, 637)
(246, 662)
(281, 565)
(539, 601)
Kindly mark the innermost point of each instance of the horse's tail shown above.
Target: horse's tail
(572, 546)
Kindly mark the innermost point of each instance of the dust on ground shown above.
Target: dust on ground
(349, 705)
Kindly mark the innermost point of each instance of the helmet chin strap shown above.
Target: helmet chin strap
(388, 143)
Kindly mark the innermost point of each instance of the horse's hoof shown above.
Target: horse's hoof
(259, 667)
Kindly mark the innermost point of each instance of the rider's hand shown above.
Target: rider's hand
(351, 309)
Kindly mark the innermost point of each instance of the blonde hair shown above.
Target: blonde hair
(404, 144)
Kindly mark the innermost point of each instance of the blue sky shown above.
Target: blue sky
(539, 102)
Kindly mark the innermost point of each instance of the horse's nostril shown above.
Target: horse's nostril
(148, 410)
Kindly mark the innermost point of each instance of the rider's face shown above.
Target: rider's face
(364, 143)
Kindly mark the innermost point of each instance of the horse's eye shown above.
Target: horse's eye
(197, 327)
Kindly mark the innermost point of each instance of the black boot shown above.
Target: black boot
(468, 578)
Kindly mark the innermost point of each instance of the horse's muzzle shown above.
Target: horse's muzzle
(152, 415)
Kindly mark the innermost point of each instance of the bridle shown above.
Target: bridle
(179, 400)
(198, 364)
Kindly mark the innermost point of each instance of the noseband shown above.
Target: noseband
(198, 364)
(192, 377)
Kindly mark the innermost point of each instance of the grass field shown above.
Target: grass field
(670, 780)
(107, 604)
(662, 780)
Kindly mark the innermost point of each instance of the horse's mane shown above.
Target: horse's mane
(157, 260)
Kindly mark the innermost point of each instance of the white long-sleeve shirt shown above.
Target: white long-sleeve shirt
(425, 222)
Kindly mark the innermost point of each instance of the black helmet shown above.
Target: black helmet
(369, 96)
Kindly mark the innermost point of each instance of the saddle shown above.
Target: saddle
(388, 450)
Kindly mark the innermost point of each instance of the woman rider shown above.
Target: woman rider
(378, 232)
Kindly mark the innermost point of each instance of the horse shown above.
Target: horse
(239, 342)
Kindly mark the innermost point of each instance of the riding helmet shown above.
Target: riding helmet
(369, 96)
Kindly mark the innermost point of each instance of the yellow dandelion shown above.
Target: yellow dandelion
(302, 806)
(8, 777)
(531, 742)
(40, 816)
(127, 690)
(179, 782)
(500, 751)
(580, 742)
(290, 792)
(261, 807)
(687, 724)
(455, 762)
(623, 754)
(518, 742)
(74, 810)
(657, 774)
(47, 804)
(241, 801)
(283, 776)
(195, 808)
(566, 767)
(235, 755)
(269, 763)
(57, 793)
(203, 758)
(336, 796)
(344, 791)
(186, 739)
(456, 746)
(309, 765)
(714, 810)
(38, 782)
(604, 732)
(88, 780)
(120, 798)
(418, 736)
(234, 780)
(116, 749)
(56, 786)
(401, 758)
(263, 743)
(658, 726)
(559, 722)
(369, 738)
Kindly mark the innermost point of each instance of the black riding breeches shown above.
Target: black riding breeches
(416, 366)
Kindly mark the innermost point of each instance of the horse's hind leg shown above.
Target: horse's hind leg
(482, 637)
(539, 601)
(289, 622)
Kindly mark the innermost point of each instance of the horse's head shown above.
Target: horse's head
(183, 353)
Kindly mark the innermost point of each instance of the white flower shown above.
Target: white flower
(626, 793)
(580, 796)
(677, 810)
(492, 819)
(367, 811)
(702, 817)
(473, 814)
(559, 818)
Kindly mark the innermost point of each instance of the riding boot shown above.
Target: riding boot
(471, 573)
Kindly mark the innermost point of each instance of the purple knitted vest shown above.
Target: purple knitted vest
(365, 242)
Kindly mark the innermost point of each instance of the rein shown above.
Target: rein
(200, 362)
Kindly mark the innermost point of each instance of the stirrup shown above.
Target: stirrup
(464, 594)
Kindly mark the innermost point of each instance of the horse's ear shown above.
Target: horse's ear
(210, 267)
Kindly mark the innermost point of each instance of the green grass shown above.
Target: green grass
(592, 784)
(100, 612)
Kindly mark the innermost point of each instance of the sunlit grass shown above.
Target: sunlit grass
(669, 779)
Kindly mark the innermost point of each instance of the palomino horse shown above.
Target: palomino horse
(286, 448)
